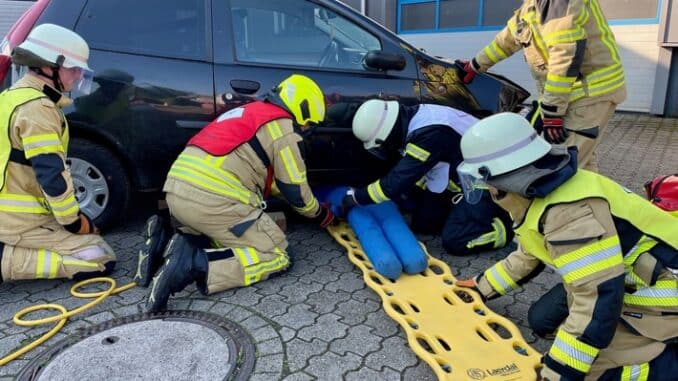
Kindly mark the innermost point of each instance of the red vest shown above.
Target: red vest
(235, 127)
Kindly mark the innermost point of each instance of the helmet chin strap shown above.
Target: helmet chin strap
(54, 77)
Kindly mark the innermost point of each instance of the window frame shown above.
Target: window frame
(479, 23)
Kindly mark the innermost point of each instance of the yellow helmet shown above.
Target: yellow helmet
(302, 97)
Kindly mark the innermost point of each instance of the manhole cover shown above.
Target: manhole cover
(175, 345)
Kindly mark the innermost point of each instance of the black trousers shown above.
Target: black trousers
(458, 224)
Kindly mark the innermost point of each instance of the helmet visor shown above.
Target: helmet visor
(473, 185)
(84, 84)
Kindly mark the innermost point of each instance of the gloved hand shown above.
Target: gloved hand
(554, 131)
(470, 283)
(348, 202)
(470, 71)
(325, 217)
(83, 225)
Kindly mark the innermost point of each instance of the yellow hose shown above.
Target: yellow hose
(64, 313)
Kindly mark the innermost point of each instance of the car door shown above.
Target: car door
(257, 43)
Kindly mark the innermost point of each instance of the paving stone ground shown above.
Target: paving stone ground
(320, 321)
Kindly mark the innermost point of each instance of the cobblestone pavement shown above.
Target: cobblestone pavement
(320, 321)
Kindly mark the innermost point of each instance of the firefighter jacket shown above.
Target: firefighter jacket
(238, 172)
(569, 48)
(430, 156)
(611, 248)
(36, 185)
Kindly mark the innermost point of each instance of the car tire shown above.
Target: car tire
(102, 186)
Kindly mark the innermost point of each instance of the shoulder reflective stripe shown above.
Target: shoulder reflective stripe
(565, 36)
(417, 152)
(589, 259)
(376, 193)
(23, 204)
(664, 293)
(531, 18)
(572, 352)
(274, 130)
(606, 34)
(312, 205)
(296, 176)
(67, 206)
(635, 372)
(39, 144)
(499, 279)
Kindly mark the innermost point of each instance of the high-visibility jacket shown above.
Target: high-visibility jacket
(621, 267)
(569, 48)
(235, 156)
(36, 186)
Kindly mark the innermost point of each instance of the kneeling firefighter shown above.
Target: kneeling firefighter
(218, 185)
(43, 233)
(615, 316)
(427, 139)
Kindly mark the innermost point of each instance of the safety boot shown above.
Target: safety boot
(156, 235)
(185, 263)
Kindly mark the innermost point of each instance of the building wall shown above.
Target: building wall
(638, 45)
(10, 11)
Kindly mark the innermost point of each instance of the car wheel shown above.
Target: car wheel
(102, 186)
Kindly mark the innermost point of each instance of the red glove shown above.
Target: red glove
(554, 131)
(325, 217)
(470, 71)
(83, 225)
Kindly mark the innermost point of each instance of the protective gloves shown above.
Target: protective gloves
(554, 131)
(470, 70)
(325, 216)
(470, 283)
(83, 225)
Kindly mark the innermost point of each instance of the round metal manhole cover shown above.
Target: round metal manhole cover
(174, 345)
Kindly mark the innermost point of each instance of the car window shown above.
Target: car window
(299, 33)
(166, 28)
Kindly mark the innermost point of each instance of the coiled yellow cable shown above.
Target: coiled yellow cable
(64, 314)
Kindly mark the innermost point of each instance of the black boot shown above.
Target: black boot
(184, 264)
(156, 235)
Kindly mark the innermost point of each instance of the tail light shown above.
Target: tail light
(17, 34)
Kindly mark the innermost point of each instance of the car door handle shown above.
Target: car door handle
(244, 86)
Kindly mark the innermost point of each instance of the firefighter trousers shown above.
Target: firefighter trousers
(51, 252)
(585, 118)
(253, 254)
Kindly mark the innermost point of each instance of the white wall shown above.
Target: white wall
(638, 45)
(10, 11)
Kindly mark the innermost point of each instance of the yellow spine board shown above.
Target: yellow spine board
(447, 326)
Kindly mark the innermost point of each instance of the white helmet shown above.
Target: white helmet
(55, 45)
(374, 121)
(497, 145)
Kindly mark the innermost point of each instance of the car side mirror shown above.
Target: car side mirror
(379, 60)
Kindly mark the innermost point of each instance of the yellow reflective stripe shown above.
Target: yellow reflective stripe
(453, 187)
(606, 34)
(16, 203)
(41, 144)
(643, 245)
(65, 207)
(421, 183)
(248, 256)
(309, 207)
(47, 264)
(496, 236)
(664, 293)
(565, 36)
(274, 130)
(559, 84)
(635, 372)
(78, 262)
(376, 193)
(499, 279)
(600, 82)
(531, 18)
(417, 152)
(589, 259)
(296, 176)
(494, 52)
(217, 188)
(253, 274)
(572, 352)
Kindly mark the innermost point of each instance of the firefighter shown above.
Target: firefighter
(615, 316)
(575, 61)
(218, 186)
(425, 140)
(44, 234)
